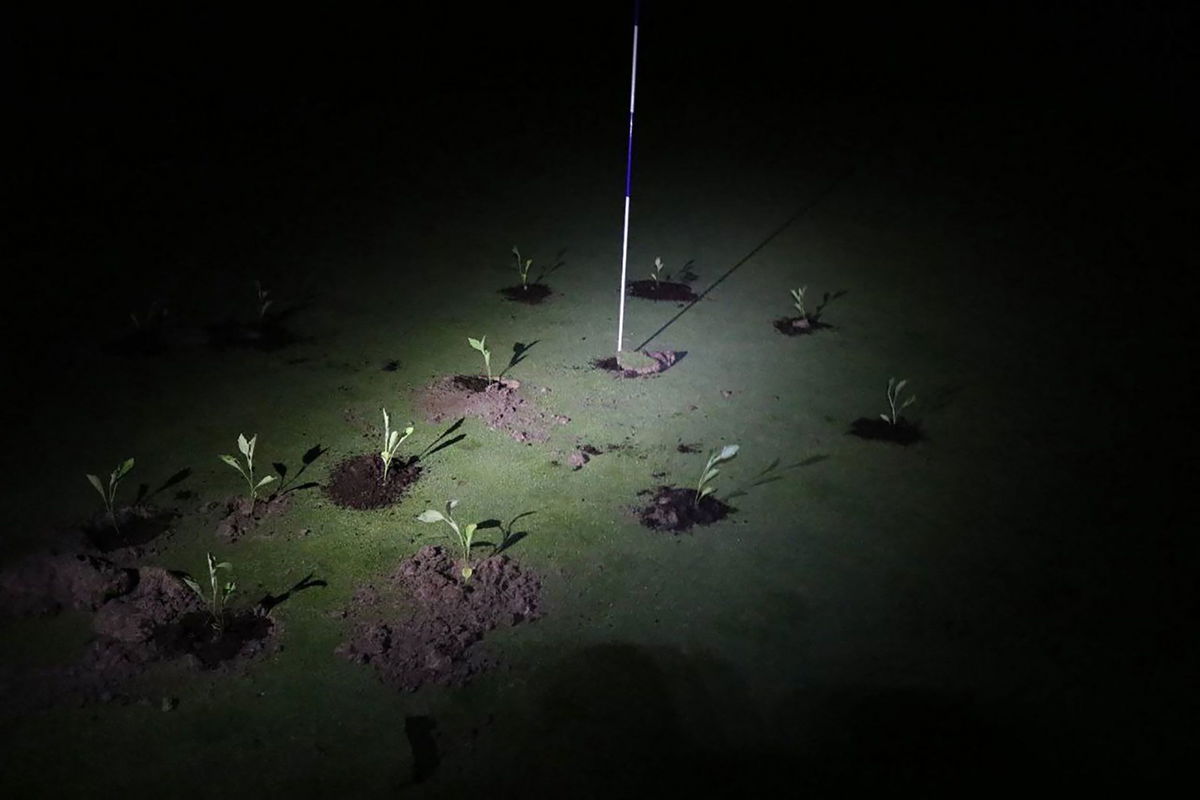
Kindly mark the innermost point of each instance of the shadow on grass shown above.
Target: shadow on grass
(773, 472)
(508, 537)
(144, 494)
(286, 484)
(519, 350)
(434, 446)
(269, 601)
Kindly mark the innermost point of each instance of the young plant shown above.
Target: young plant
(480, 344)
(522, 267)
(247, 448)
(893, 395)
(391, 442)
(263, 300)
(217, 596)
(109, 494)
(656, 275)
(464, 534)
(153, 317)
(798, 296)
(704, 487)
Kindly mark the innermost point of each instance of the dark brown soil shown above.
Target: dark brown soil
(268, 335)
(498, 403)
(675, 510)
(530, 295)
(902, 433)
(798, 326)
(134, 526)
(582, 455)
(662, 290)
(357, 482)
(425, 624)
(48, 583)
(663, 360)
(243, 515)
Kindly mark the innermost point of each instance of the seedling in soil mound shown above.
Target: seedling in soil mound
(264, 301)
(658, 289)
(890, 426)
(676, 509)
(464, 534)
(109, 494)
(806, 321)
(522, 267)
(370, 481)
(480, 344)
(247, 449)
(266, 332)
(218, 596)
(526, 292)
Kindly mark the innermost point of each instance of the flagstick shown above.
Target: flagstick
(628, 174)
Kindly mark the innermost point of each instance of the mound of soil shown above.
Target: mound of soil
(662, 290)
(133, 527)
(675, 510)
(530, 295)
(243, 515)
(902, 433)
(498, 403)
(47, 583)
(426, 624)
(661, 361)
(798, 326)
(358, 482)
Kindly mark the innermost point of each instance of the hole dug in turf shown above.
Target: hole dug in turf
(639, 364)
(799, 326)
(668, 291)
(530, 295)
(676, 510)
(902, 433)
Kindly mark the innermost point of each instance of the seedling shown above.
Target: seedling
(109, 494)
(522, 267)
(464, 534)
(153, 317)
(247, 448)
(217, 596)
(480, 345)
(798, 296)
(893, 394)
(391, 442)
(264, 301)
(704, 487)
(656, 275)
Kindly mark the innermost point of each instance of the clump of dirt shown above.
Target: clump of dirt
(902, 433)
(129, 527)
(498, 403)
(662, 290)
(46, 583)
(676, 510)
(531, 295)
(426, 624)
(243, 514)
(798, 326)
(688, 447)
(660, 361)
(358, 481)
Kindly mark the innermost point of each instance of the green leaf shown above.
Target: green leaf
(728, 452)
(99, 486)
(121, 471)
(467, 572)
(264, 481)
(190, 582)
(431, 516)
(885, 418)
(451, 504)
(243, 445)
(708, 476)
(223, 565)
(392, 441)
(233, 462)
(900, 385)
(706, 491)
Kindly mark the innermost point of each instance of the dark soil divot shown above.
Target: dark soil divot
(425, 624)
(662, 361)
(530, 295)
(902, 433)
(358, 483)
(662, 290)
(48, 583)
(243, 515)
(799, 326)
(135, 527)
(675, 510)
(498, 403)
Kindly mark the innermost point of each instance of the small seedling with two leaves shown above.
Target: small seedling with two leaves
(247, 449)
(798, 301)
(218, 596)
(109, 493)
(264, 301)
(391, 442)
(704, 487)
(657, 274)
(893, 394)
(522, 267)
(464, 534)
(480, 344)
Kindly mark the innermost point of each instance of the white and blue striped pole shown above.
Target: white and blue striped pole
(628, 174)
